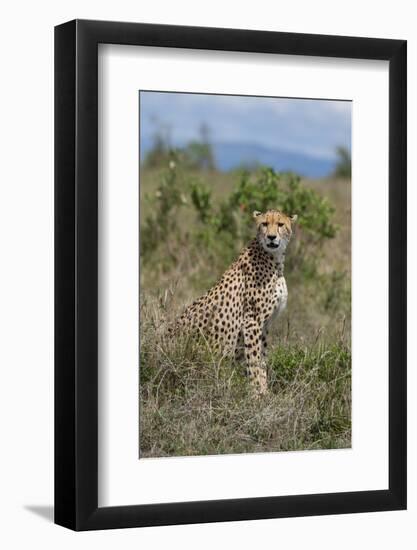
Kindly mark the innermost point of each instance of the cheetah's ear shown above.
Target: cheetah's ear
(293, 218)
(256, 213)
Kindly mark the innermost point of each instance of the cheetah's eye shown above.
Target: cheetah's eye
(264, 224)
(280, 224)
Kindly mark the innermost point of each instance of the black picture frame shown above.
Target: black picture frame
(76, 272)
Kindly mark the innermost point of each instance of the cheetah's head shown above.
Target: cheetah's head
(274, 230)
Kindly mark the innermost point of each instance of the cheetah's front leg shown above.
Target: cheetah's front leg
(264, 341)
(255, 363)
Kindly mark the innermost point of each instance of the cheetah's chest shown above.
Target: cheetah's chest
(280, 296)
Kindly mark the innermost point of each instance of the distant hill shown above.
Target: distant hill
(232, 155)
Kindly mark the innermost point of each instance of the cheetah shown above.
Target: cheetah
(235, 314)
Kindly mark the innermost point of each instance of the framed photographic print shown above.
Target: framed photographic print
(230, 254)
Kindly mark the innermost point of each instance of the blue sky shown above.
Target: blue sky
(308, 127)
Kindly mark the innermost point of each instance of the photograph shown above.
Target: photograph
(245, 274)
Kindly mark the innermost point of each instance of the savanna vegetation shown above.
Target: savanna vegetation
(194, 222)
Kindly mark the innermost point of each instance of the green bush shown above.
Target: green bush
(165, 206)
(225, 226)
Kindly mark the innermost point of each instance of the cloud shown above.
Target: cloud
(308, 126)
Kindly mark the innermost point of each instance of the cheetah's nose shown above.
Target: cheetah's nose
(272, 237)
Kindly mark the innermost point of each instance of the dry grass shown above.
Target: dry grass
(196, 403)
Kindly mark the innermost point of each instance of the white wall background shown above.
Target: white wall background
(26, 289)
